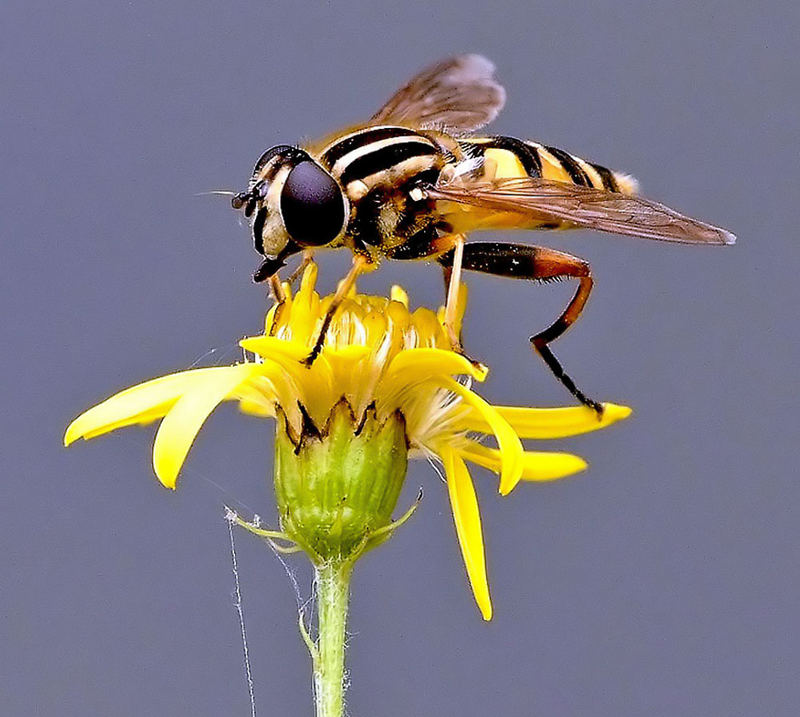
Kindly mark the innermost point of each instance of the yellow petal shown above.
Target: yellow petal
(551, 422)
(399, 294)
(511, 460)
(347, 366)
(270, 347)
(269, 382)
(139, 404)
(258, 408)
(468, 527)
(537, 465)
(257, 396)
(307, 282)
(180, 426)
(429, 330)
(316, 382)
(306, 307)
(422, 364)
(141, 419)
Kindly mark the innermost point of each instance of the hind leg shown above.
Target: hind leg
(520, 261)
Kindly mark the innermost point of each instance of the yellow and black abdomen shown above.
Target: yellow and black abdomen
(508, 158)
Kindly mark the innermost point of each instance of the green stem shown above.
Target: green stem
(333, 588)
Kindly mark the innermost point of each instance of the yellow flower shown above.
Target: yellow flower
(382, 359)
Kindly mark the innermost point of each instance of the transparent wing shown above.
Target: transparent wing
(613, 212)
(458, 94)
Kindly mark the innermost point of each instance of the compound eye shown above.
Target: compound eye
(312, 205)
(279, 149)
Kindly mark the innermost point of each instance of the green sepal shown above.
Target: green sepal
(339, 485)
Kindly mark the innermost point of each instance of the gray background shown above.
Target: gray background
(662, 582)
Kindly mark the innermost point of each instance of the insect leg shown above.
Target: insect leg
(276, 288)
(453, 279)
(268, 271)
(447, 273)
(520, 261)
(308, 257)
(360, 265)
(279, 296)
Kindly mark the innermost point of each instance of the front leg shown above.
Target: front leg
(268, 271)
(279, 297)
(361, 264)
(308, 258)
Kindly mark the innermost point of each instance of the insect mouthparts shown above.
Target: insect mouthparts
(238, 200)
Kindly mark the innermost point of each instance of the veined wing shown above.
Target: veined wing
(548, 200)
(459, 94)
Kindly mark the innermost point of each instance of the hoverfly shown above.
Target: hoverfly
(411, 183)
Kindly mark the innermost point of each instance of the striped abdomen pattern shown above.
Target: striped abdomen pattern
(509, 157)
